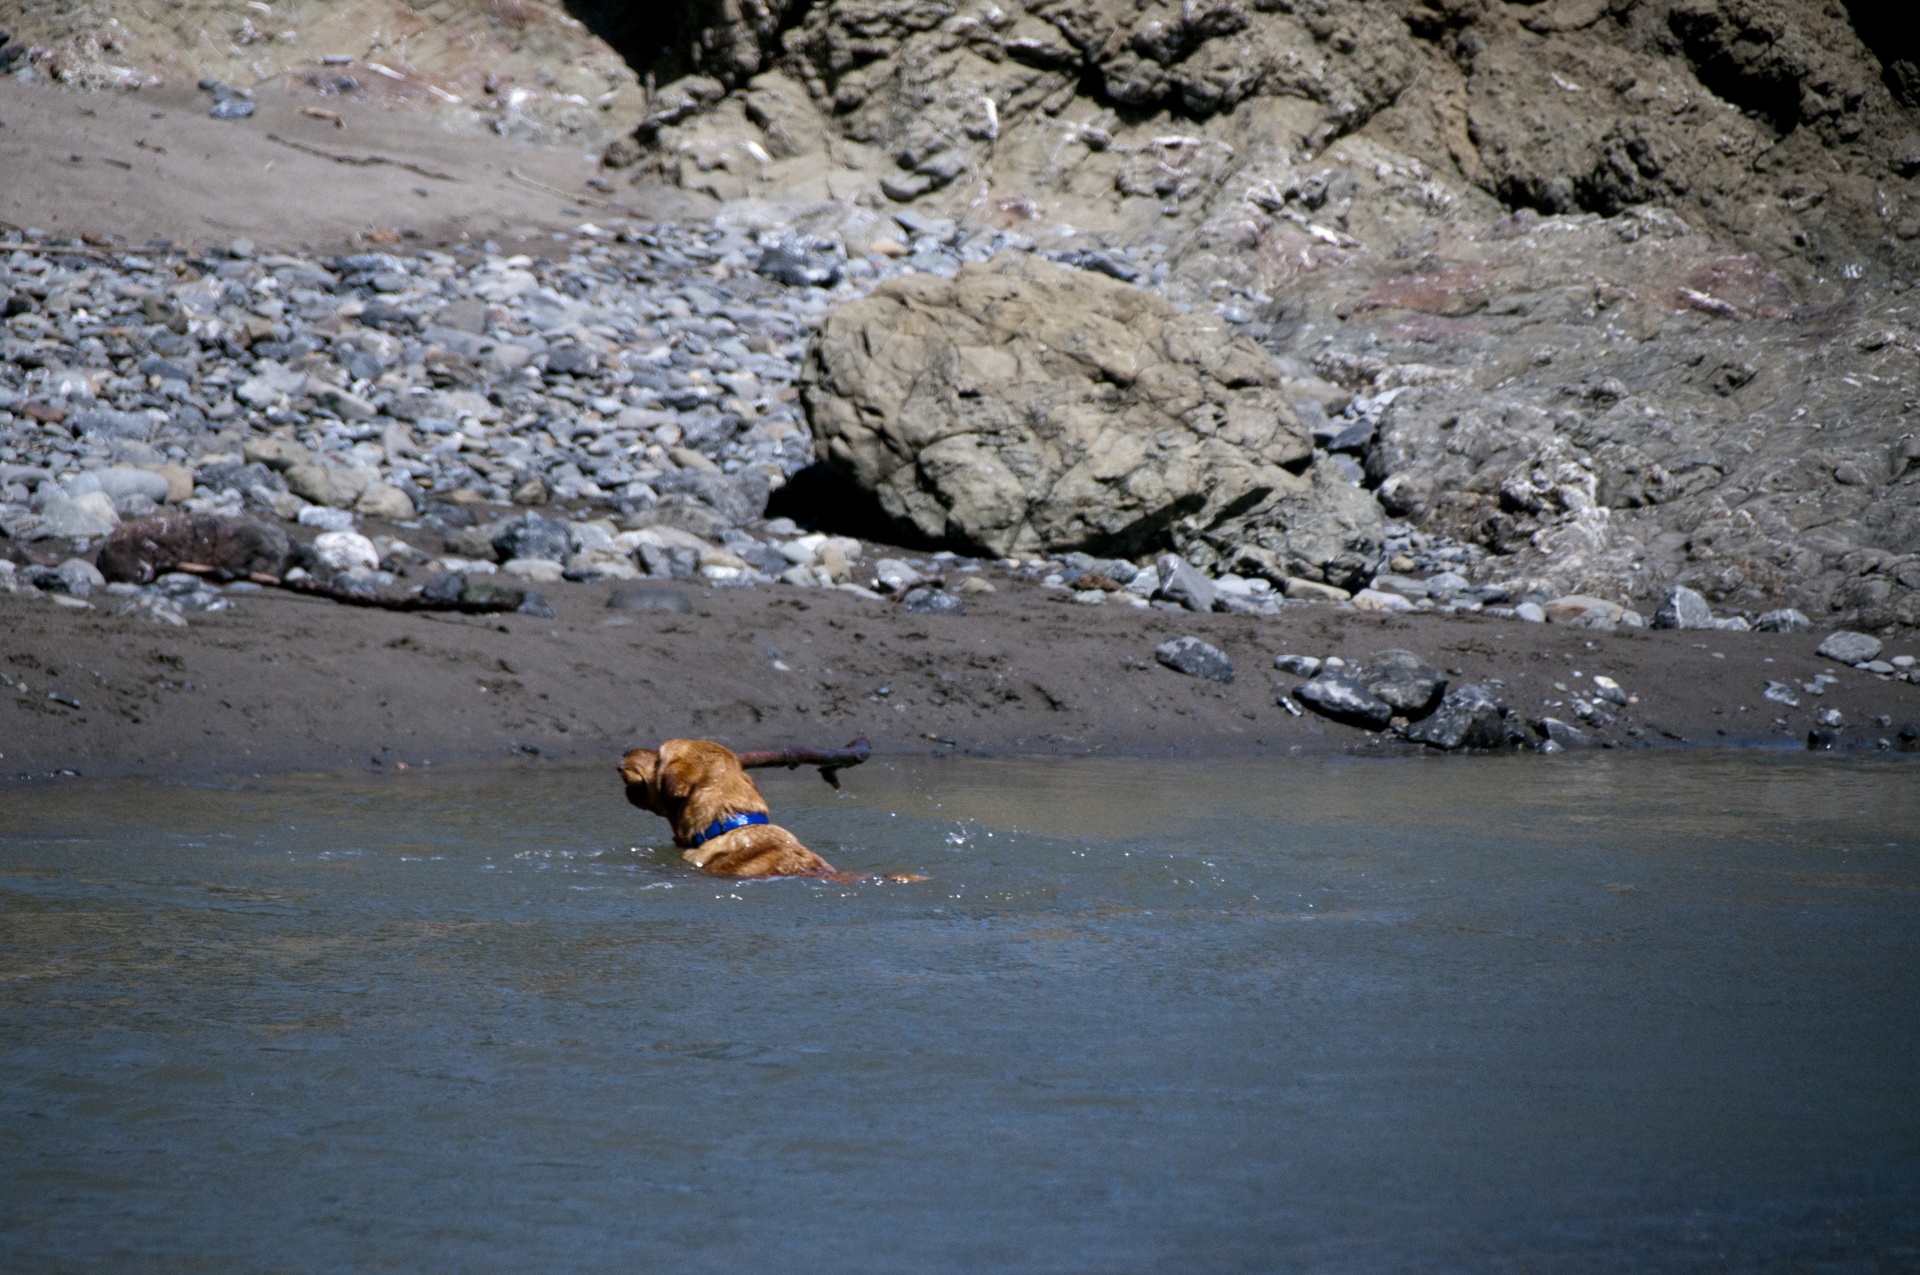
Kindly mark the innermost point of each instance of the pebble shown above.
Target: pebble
(1531, 612)
(1195, 658)
(1298, 665)
(1781, 693)
(933, 602)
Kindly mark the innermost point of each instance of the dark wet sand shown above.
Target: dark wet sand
(285, 682)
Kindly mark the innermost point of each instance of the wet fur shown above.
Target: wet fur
(692, 782)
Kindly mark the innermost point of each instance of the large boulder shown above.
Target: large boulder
(1021, 408)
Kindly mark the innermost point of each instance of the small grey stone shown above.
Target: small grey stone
(1336, 695)
(445, 587)
(895, 576)
(1830, 717)
(575, 360)
(80, 577)
(1684, 608)
(799, 263)
(1469, 717)
(1298, 665)
(535, 604)
(1849, 647)
(1556, 734)
(233, 108)
(532, 536)
(650, 597)
(1784, 621)
(1781, 693)
(120, 482)
(111, 424)
(1195, 658)
(1531, 612)
(933, 602)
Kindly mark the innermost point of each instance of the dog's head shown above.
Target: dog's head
(638, 769)
(664, 779)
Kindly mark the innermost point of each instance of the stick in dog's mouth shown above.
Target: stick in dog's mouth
(831, 761)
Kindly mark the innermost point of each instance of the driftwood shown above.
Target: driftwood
(314, 588)
(831, 761)
(362, 161)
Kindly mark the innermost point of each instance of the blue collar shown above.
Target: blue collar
(727, 824)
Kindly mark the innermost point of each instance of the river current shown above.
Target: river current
(1648, 1012)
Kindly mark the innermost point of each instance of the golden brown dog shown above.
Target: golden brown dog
(719, 818)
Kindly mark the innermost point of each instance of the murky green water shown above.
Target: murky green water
(1500, 1014)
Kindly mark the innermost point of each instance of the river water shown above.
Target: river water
(1613, 1012)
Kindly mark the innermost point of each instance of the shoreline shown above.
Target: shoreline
(284, 683)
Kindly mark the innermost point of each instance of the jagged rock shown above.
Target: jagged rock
(1195, 658)
(1403, 681)
(1684, 608)
(1179, 582)
(1469, 717)
(1023, 408)
(1335, 694)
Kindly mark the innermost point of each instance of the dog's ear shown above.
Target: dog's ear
(637, 765)
(674, 776)
(638, 768)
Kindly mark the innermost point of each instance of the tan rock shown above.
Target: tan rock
(179, 481)
(535, 570)
(1314, 591)
(334, 485)
(687, 458)
(531, 492)
(1574, 606)
(1025, 408)
(380, 500)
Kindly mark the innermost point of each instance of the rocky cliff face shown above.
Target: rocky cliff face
(1612, 292)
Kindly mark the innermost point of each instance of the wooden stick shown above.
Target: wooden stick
(831, 761)
(362, 161)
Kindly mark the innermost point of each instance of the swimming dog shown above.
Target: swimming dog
(720, 821)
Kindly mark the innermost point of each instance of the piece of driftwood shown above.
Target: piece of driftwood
(831, 761)
(314, 588)
(362, 161)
